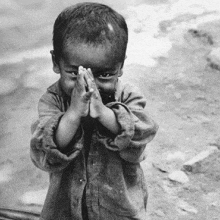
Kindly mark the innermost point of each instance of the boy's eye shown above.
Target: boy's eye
(75, 72)
(104, 75)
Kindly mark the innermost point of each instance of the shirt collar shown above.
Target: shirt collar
(57, 89)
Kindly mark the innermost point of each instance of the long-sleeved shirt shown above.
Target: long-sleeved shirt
(103, 167)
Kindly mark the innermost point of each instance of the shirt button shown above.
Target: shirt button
(81, 180)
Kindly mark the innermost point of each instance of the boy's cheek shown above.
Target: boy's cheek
(67, 86)
(106, 87)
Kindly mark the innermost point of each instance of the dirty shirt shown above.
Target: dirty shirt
(97, 169)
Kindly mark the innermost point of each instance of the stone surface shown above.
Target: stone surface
(169, 162)
(6, 171)
(185, 207)
(159, 213)
(7, 86)
(214, 58)
(176, 156)
(202, 161)
(34, 197)
(178, 176)
(215, 143)
(177, 95)
(203, 37)
(212, 199)
(162, 167)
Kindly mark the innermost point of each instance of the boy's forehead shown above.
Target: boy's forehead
(81, 53)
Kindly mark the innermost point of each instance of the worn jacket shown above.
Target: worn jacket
(104, 166)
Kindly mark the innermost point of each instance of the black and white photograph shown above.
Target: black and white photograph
(110, 110)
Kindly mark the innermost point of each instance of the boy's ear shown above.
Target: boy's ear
(121, 69)
(56, 67)
(121, 72)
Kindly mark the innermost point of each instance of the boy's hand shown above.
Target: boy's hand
(96, 106)
(82, 93)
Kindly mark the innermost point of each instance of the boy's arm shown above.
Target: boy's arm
(108, 119)
(45, 152)
(136, 128)
(79, 107)
(99, 111)
(102, 113)
(57, 137)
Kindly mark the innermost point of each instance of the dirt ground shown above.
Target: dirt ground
(183, 96)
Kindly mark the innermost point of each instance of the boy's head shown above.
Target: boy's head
(91, 35)
(93, 24)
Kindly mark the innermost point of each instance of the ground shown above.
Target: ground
(183, 96)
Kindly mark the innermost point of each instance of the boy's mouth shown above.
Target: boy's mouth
(105, 76)
(107, 96)
(107, 90)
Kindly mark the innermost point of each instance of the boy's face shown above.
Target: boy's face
(105, 68)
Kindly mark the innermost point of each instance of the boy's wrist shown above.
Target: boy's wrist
(73, 114)
(108, 119)
(102, 112)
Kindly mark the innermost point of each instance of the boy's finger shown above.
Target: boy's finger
(88, 94)
(90, 73)
(88, 81)
(92, 79)
(80, 77)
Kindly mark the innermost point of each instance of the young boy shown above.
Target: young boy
(92, 129)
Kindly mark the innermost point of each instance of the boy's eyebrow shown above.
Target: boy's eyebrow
(103, 69)
(74, 67)
(96, 69)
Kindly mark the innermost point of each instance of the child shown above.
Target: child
(92, 129)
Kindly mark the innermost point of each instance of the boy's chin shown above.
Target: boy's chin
(107, 96)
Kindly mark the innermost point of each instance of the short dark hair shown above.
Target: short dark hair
(91, 23)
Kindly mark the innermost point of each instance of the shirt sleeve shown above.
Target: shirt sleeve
(136, 127)
(45, 153)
